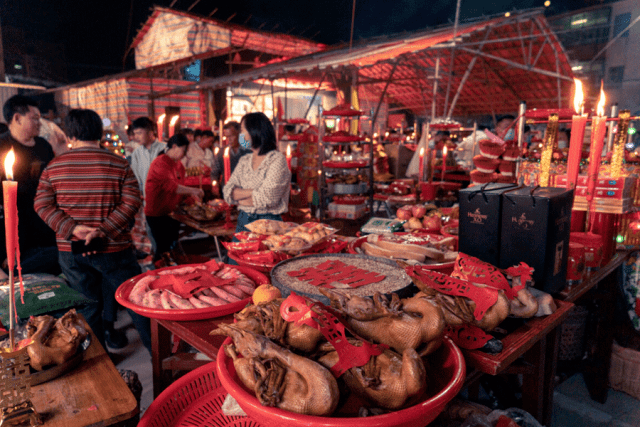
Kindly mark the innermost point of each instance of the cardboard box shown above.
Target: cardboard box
(480, 220)
(347, 211)
(536, 223)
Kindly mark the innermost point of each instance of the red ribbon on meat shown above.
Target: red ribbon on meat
(484, 297)
(298, 309)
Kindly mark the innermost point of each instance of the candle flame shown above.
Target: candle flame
(226, 152)
(444, 151)
(161, 118)
(214, 183)
(422, 151)
(8, 164)
(601, 102)
(578, 98)
(289, 150)
(216, 151)
(174, 119)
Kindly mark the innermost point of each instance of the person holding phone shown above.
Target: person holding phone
(164, 192)
(89, 197)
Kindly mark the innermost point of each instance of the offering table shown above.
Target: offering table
(214, 229)
(92, 393)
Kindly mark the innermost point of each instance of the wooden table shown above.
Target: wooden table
(195, 333)
(601, 287)
(91, 394)
(537, 342)
(214, 229)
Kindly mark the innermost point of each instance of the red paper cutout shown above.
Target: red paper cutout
(484, 297)
(467, 336)
(300, 310)
(336, 271)
(477, 271)
(186, 285)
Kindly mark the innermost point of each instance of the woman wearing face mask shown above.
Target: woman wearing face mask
(260, 183)
(163, 192)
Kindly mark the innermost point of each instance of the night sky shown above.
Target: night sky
(96, 33)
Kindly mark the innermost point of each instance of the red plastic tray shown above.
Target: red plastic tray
(444, 378)
(342, 138)
(194, 400)
(123, 291)
(344, 165)
(349, 200)
(261, 267)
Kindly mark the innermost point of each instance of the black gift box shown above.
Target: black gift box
(536, 223)
(480, 218)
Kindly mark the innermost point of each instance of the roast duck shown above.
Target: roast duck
(388, 378)
(54, 341)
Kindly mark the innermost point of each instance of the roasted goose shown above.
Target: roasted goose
(388, 380)
(417, 322)
(279, 377)
(54, 341)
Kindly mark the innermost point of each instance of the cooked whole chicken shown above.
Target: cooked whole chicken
(279, 377)
(54, 341)
(417, 322)
(265, 319)
(388, 380)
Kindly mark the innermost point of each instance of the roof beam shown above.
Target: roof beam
(517, 64)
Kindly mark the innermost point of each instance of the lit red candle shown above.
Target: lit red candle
(421, 167)
(578, 123)
(161, 126)
(598, 129)
(10, 197)
(444, 162)
(227, 165)
(289, 156)
(172, 125)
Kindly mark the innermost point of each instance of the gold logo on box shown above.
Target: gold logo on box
(523, 222)
(477, 217)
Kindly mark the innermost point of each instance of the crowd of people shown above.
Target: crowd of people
(78, 220)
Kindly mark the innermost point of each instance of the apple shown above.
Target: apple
(414, 223)
(404, 213)
(432, 222)
(418, 211)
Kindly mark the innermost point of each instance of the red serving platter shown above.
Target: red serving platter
(443, 267)
(123, 291)
(344, 165)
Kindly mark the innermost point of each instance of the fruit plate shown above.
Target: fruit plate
(445, 379)
(123, 291)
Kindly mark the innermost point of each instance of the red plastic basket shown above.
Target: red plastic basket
(195, 400)
(445, 379)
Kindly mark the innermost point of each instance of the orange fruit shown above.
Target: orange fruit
(265, 293)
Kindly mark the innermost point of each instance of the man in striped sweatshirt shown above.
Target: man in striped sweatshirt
(91, 195)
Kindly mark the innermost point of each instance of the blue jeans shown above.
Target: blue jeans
(247, 218)
(100, 274)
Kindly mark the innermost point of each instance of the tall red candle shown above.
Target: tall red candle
(10, 197)
(421, 167)
(289, 156)
(578, 124)
(444, 162)
(161, 126)
(172, 125)
(227, 165)
(598, 129)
